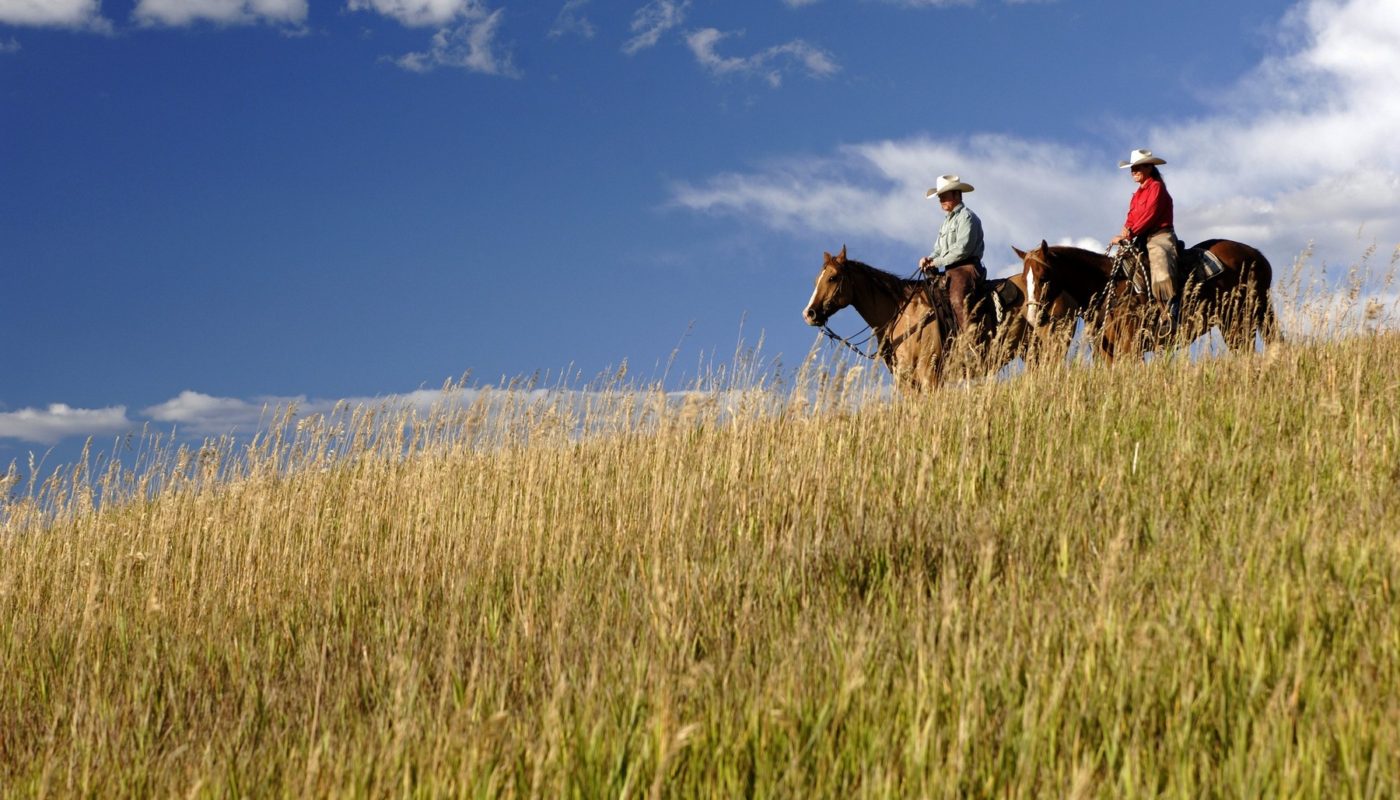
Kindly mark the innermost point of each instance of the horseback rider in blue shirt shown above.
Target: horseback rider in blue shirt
(958, 251)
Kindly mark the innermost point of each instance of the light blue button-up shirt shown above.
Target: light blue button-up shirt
(959, 239)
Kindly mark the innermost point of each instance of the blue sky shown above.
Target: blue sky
(209, 204)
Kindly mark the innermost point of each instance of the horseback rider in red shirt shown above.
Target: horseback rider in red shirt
(1150, 219)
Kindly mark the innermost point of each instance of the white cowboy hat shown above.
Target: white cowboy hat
(948, 183)
(1140, 158)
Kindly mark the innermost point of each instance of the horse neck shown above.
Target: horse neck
(1083, 273)
(878, 297)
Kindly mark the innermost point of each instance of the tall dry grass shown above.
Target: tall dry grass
(1173, 578)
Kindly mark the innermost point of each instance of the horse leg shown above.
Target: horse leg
(1261, 316)
(1107, 343)
(1266, 322)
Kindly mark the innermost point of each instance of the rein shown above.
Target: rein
(855, 347)
(1130, 263)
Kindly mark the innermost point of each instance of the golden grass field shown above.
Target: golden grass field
(1176, 578)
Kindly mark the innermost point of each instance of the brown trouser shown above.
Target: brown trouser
(962, 283)
(1161, 261)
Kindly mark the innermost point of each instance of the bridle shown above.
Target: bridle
(856, 347)
(1031, 301)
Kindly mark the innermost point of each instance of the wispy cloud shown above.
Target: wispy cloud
(421, 13)
(571, 21)
(59, 421)
(769, 64)
(176, 13)
(1302, 153)
(10, 45)
(465, 39)
(54, 13)
(470, 46)
(652, 20)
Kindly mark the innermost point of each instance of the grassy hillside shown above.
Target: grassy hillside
(1172, 578)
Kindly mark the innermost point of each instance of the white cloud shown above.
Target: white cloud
(10, 45)
(465, 39)
(58, 421)
(54, 13)
(420, 13)
(768, 63)
(652, 20)
(798, 3)
(470, 46)
(176, 13)
(206, 414)
(198, 414)
(1026, 191)
(571, 20)
(1302, 153)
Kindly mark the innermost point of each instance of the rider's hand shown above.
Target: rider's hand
(925, 263)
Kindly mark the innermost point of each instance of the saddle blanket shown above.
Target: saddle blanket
(1202, 264)
(1005, 295)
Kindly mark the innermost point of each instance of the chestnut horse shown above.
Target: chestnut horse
(1124, 320)
(911, 335)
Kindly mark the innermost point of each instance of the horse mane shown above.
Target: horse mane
(1078, 256)
(890, 282)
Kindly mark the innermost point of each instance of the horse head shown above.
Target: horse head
(1038, 275)
(832, 292)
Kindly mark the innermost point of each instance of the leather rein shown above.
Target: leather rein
(855, 347)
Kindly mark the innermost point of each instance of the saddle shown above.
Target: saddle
(1194, 264)
(1000, 294)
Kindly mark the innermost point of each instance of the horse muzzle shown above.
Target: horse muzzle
(814, 317)
(1035, 314)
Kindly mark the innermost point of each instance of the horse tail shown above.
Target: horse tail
(1265, 320)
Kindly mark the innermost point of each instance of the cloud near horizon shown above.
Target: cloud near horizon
(1308, 160)
(193, 413)
(60, 421)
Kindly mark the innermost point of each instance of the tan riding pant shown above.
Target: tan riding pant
(1161, 260)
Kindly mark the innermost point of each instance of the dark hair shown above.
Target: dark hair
(1153, 172)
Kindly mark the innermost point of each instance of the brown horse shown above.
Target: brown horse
(1124, 320)
(911, 333)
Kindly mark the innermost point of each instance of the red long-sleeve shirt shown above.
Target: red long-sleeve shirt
(1151, 209)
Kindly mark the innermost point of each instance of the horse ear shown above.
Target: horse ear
(826, 256)
(842, 257)
(1044, 245)
(1021, 254)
